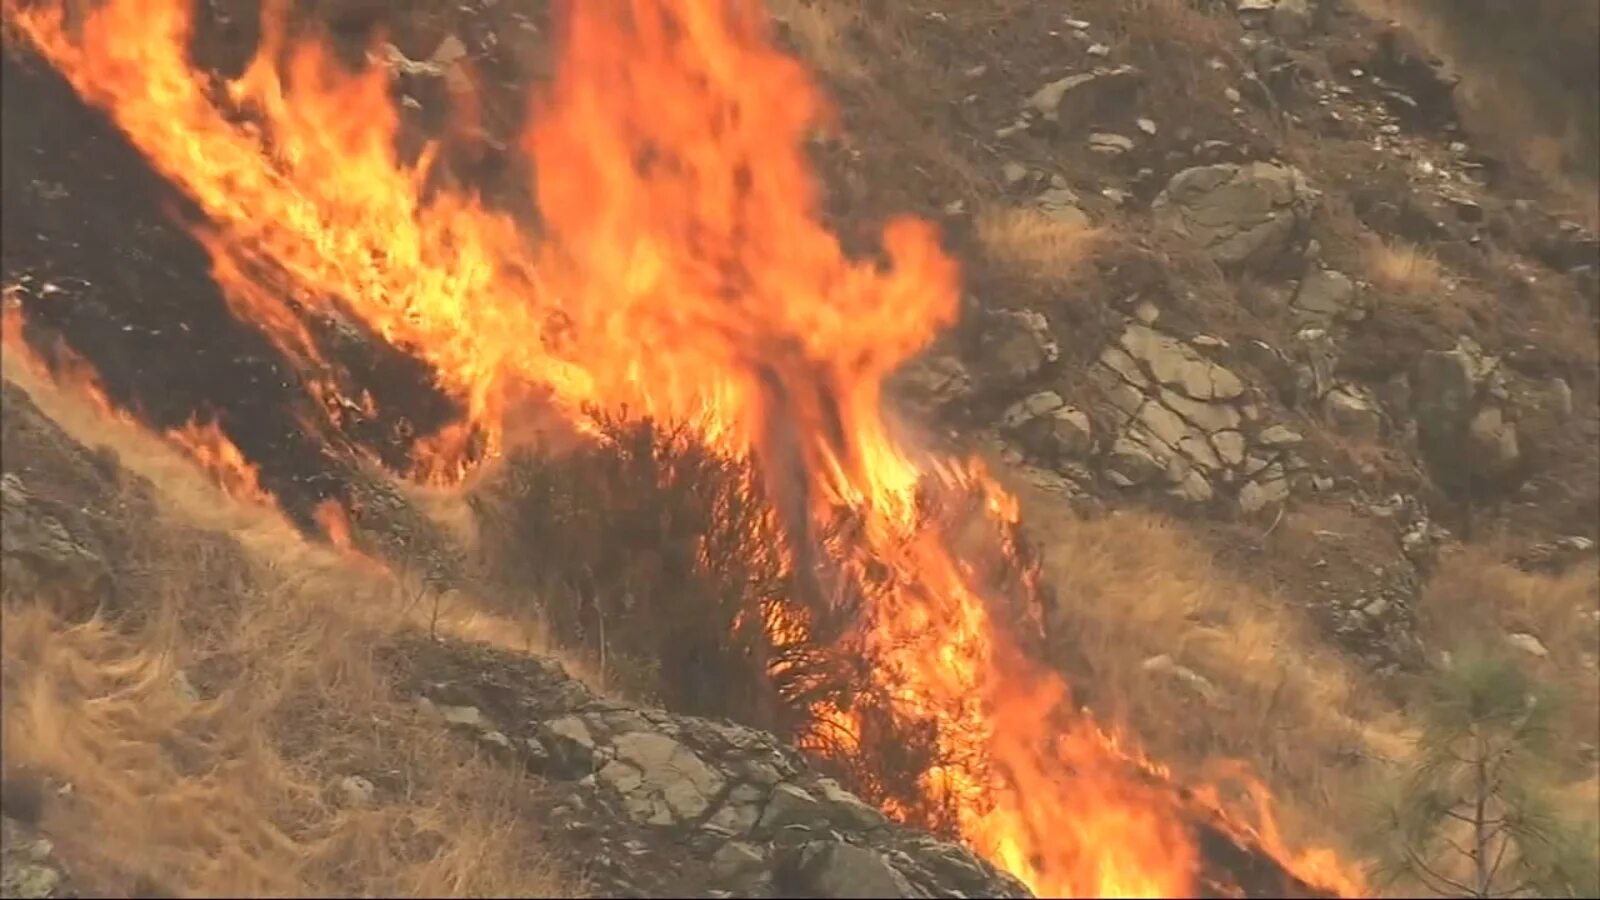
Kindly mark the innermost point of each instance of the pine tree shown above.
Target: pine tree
(1473, 816)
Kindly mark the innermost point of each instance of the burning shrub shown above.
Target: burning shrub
(668, 564)
(647, 546)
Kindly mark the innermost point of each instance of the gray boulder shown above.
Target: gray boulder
(1244, 216)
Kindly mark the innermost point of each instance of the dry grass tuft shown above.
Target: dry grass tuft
(1396, 267)
(1033, 244)
(204, 738)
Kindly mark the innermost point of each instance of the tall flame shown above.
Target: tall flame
(681, 271)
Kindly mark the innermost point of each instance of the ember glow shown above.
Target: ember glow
(681, 271)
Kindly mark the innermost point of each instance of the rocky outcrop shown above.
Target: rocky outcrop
(1013, 346)
(1186, 421)
(28, 864)
(657, 804)
(1325, 296)
(59, 505)
(1464, 416)
(1244, 216)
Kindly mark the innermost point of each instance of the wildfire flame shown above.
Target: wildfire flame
(682, 272)
(217, 455)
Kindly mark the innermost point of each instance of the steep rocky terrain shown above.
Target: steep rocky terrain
(1240, 267)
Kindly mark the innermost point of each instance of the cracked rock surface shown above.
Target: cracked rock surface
(650, 803)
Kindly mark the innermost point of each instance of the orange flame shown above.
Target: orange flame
(62, 365)
(209, 447)
(335, 524)
(683, 272)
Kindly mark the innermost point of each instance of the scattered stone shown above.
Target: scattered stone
(356, 791)
(1326, 295)
(1352, 413)
(790, 805)
(736, 859)
(1193, 487)
(1194, 681)
(1062, 205)
(1492, 441)
(1071, 101)
(1243, 216)
(1013, 172)
(830, 869)
(1279, 436)
(466, 716)
(1148, 126)
(1230, 447)
(1528, 644)
(1014, 346)
(935, 381)
(1046, 426)
(1269, 488)
(1110, 144)
(1131, 463)
(1560, 397)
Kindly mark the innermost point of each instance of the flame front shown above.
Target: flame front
(682, 271)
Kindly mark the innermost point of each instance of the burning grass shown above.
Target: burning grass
(1157, 636)
(682, 272)
(204, 735)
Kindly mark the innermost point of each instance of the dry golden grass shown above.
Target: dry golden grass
(1131, 587)
(232, 790)
(818, 29)
(1033, 244)
(1396, 267)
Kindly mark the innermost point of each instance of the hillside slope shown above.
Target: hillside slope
(1278, 318)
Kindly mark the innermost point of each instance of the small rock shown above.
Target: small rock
(736, 858)
(1071, 100)
(1193, 488)
(790, 805)
(1131, 463)
(1560, 397)
(1164, 665)
(1528, 644)
(830, 869)
(1352, 414)
(1110, 144)
(1279, 436)
(1048, 427)
(356, 791)
(1062, 205)
(1269, 488)
(1326, 294)
(1015, 345)
(1148, 126)
(1013, 172)
(1230, 447)
(466, 716)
